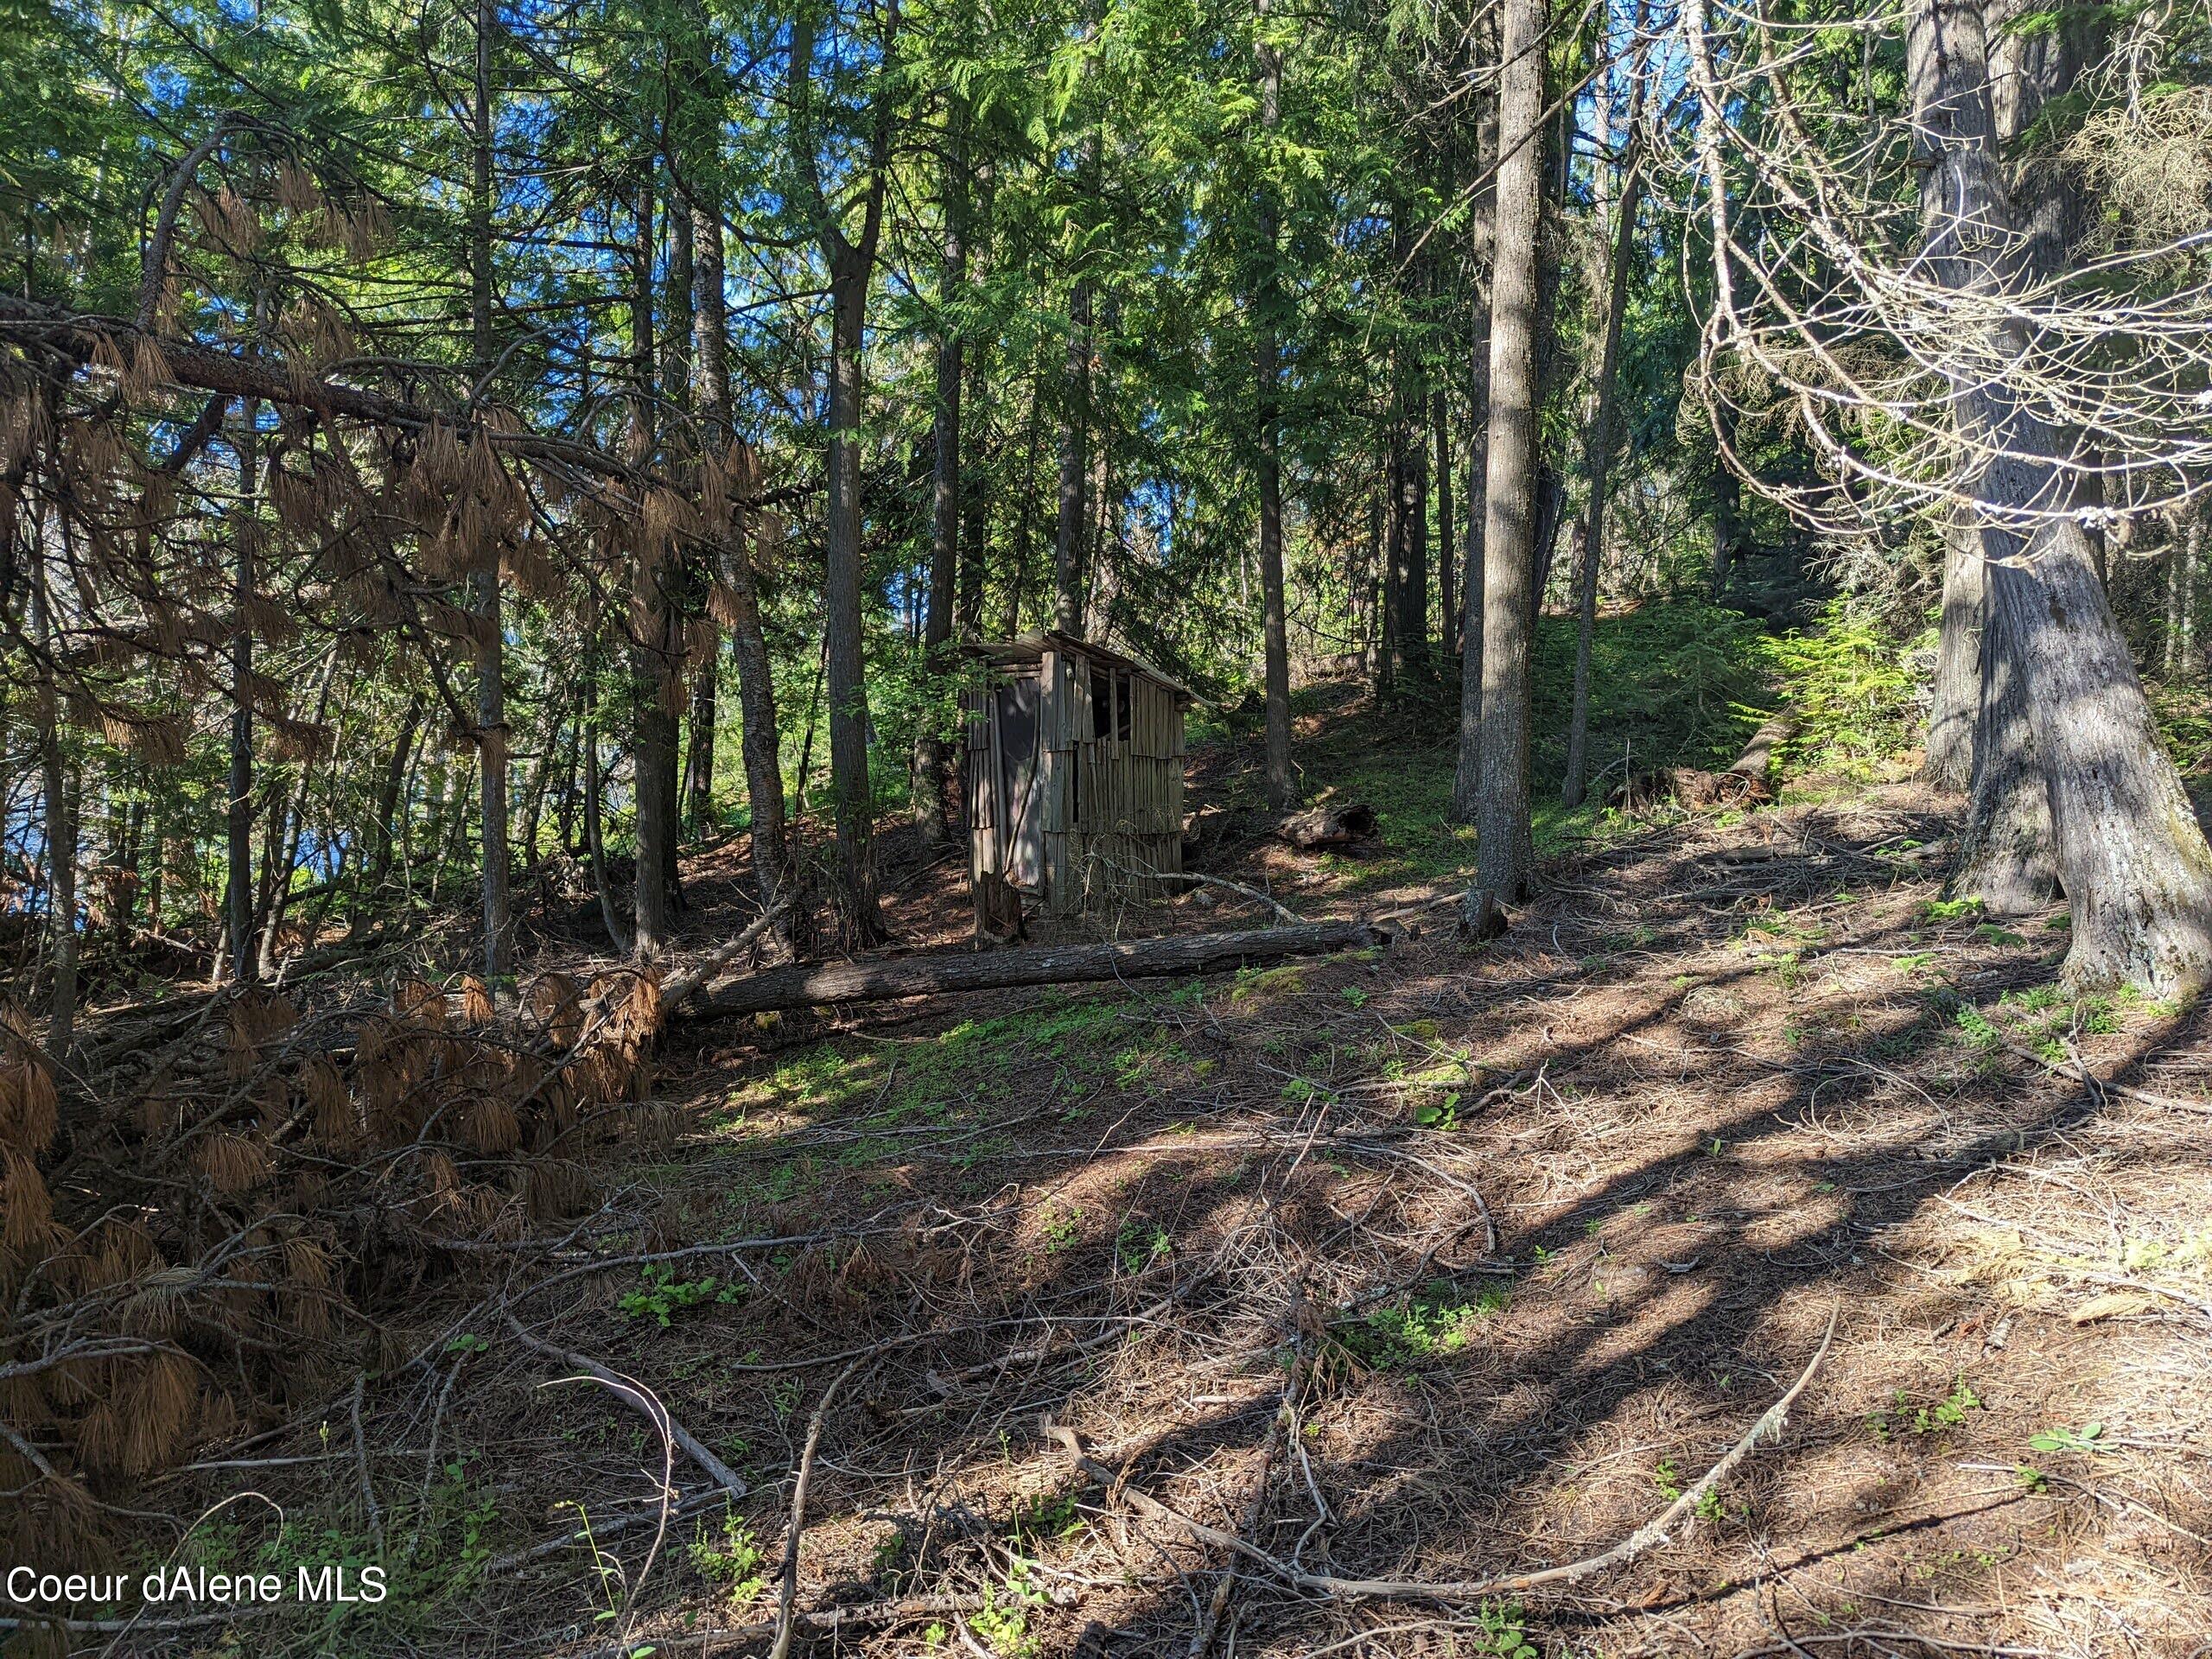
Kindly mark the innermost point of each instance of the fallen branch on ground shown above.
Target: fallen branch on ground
(1193, 879)
(2080, 1072)
(694, 979)
(929, 975)
(787, 1591)
(1654, 1531)
(641, 1400)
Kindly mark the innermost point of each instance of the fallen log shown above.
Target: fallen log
(830, 984)
(1745, 783)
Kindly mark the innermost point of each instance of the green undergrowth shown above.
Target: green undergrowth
(1058, 1051)
(1440, 1321)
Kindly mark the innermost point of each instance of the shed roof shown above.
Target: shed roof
(1029, 648)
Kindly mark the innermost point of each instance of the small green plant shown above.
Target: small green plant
(1355, 995)
(1062, 1227)
(1668, 1477)
(663, 1294)
(1503, 1631)
(1947, 1412)
(1140, 1244)
(1990, 933)
(1045, 1517)
(1948, 909)
(1708, 1504)
(1982, 1034)
(605, 1567)
(1442, 1114)
(890, 1561)
(734, 1565)
(2068, 1439)
(1004, 1624)
(1434, 1325)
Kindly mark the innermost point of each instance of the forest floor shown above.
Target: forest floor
(1436, 1264)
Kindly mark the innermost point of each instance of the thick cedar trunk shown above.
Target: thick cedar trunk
(1955, 702)
(483, 581)
(1597, 465)
(1281, 787)
(1503, 852)
(2128, 853)
(933, 796)
(2005, 849)
(2026, 69)
(759, 738)
(943, 971)
(1466, 780)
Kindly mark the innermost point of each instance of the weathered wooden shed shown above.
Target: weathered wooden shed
(1074, 775)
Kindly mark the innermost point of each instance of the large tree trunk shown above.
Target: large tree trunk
(1596, 468)
(2134, 865)
(1466, 780)
(1505, 853)
(965, 971)
(2005, 849)
(2026, 69)
(933, 797)
(1281, 787)
(1955, 700)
